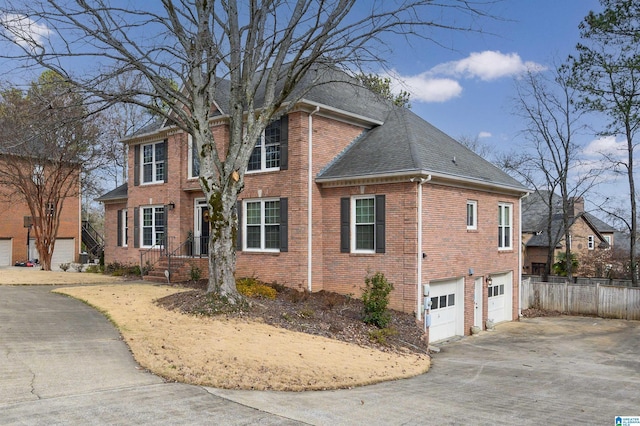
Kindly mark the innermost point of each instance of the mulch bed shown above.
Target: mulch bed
(322, 313)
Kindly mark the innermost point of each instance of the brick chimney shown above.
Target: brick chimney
(576, 206)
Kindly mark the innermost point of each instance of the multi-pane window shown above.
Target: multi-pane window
(472, 215)
(504, 226)
(266, 154)
(496, 290)
(444, 301)
(364, 223)
(153, 222)
(262, 225)
(591, 242)
(51, 209)
(153, 162)
(194, 159)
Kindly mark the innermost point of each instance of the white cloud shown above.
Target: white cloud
(488, 65)
(425, 88)
(24, 31)
(482, 135)
(608, 146)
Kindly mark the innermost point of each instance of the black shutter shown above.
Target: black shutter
(136, 227)
(284, 142)
(136, 165)
(380, 225)
(345, 225)
(166, 161)
(239, 230)
(284, 224)
(119, 243)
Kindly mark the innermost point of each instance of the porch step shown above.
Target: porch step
(180, 270)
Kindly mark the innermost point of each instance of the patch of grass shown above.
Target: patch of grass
(251, 287)
(380, 335)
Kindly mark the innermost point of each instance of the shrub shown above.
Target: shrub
(195, 273)
(251, 287)
(93, 269)
(380, 336)
(375, 297)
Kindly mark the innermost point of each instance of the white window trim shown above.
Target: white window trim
(125, 227)
(474, 206)
(190, 175)
(263, 157)
(591, 242)
(154, 163)
(262, 248)
(153, 226)
(510, 207)
(353, 223)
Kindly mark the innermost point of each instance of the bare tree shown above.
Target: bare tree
(44, 142)
(476, 145)
(552, 162)
(262, 50)
(607, 72)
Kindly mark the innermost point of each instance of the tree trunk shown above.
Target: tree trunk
(223, 220)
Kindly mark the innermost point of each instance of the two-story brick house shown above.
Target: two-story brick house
(15, 218)
(341, 186)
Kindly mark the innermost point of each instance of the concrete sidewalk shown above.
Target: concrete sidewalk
(61, 362)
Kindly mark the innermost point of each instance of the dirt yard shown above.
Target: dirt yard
(234, 353)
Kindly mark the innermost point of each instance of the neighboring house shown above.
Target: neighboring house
(587, 232)
(342, 186)
(14, 218)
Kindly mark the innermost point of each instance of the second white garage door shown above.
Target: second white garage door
(5, 252)
(447, 309)
(63, 252)
(500, 298)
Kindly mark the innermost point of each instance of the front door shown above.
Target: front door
(201, 234)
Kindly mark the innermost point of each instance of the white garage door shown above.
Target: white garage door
(5, 252)
(63, 252)
(447, 309)
(500, 298)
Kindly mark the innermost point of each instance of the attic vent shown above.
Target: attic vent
(454, 159)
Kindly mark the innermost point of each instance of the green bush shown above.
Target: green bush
(251, 287)
(380, 336)
(375, 297)
(195, 273)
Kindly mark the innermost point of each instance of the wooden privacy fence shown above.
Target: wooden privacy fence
(582, 299)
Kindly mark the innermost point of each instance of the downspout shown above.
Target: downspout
(310, 203)
(520, 249)
(419, 259)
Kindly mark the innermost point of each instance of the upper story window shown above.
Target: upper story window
(270, 152)
(51, 210)
(153, 224)
(362, 228)
(153, 162)
(472, 214)
(505, 226)
(591, 242)
(194, 159)
(607, 238)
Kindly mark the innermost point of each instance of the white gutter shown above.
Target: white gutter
(419, 259)
(520, 255)
(310, 203)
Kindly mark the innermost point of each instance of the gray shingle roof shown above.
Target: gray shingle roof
(120, 193)
(406, 143)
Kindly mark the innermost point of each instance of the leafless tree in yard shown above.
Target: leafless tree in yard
(262, 49)
(45, 142)
(551, 156)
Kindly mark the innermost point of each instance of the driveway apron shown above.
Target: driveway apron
(62, 362)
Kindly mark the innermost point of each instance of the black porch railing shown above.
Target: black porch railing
(192, 247)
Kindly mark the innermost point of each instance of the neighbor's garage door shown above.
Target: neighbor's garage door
(63, 252)
(500, 297)
(447, 309)
(5, 252)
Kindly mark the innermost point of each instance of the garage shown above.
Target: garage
(500, 297)
(447, 309)
(63, 252)
(5, 252)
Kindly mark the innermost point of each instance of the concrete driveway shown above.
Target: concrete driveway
(63, 363)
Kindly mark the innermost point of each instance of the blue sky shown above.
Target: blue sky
(476, 90)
